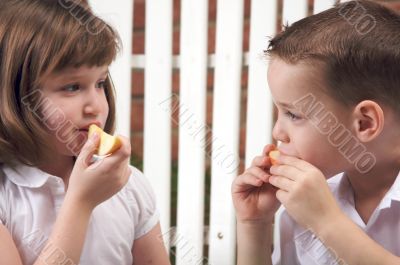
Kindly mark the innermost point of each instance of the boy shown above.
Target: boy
(335, 80)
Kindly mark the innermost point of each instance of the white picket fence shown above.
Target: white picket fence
(193, 63)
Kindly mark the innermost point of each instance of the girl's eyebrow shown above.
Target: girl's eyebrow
(77, 75)
(285, 105)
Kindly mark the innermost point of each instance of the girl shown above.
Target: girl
(56, 207)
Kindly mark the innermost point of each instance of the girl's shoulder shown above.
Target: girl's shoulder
(138, 187)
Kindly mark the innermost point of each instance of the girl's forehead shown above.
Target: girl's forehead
(79, 72)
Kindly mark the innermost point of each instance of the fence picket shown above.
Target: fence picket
(192, 132)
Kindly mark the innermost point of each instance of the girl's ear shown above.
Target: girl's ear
(368, 120)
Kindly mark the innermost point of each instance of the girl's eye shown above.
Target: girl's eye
(71, 88)
(292, 116)
(101, 84)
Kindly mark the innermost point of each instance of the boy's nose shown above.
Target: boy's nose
(279, 134)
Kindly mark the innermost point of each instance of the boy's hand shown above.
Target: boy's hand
(253, 197)
(304, 192)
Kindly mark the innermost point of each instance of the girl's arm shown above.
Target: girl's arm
(8, 251)
(65, 243)
(89, 185)
(150, 249)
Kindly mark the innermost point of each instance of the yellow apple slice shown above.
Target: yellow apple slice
(273, 156)
(108, 143)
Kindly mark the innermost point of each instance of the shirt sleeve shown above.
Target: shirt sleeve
(146, 214)
(284, 246)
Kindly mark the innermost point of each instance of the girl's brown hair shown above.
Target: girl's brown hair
(38, 38)
(355, 45)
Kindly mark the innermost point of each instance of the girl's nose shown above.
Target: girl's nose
(94, 101)
(279, 134)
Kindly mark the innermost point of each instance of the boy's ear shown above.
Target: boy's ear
(368, 120)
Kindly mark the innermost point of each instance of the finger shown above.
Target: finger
(281, 182)
(268, 148)
(294, 161)
(122, 153)
(247, 179)
(287, 171)
(88, 149)
(259, 173)
(260, 161)
(282, 196)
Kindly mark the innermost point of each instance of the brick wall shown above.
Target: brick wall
(138, 75)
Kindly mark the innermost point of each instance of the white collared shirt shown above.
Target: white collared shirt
(297, 245)
(30, 200)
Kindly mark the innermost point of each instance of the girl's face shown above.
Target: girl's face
(300, 136)
(73, 99)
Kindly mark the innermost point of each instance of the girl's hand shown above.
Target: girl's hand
(91, 184)
(253, 197)
(304, 192)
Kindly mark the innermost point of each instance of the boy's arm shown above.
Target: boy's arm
(150, 249)
(337, 234)
(254, 243)
(308, 200)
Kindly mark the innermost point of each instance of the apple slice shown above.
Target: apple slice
(273, 156)
(108, 143)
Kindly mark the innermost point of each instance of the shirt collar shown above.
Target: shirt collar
(26, 176)
(345, 191)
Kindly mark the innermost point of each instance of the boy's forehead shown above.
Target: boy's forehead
(290, 82)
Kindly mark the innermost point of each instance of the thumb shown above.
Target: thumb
(89, 148)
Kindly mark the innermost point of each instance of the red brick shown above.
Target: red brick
(175, 112)
(175, 80)
(138, 42)
(212, 10)
(139, 15)
(137, 115)
(137, 145)
(174, 145)
(176, 40)
(241, 167)
(137, 82)
(245, 77)
(209, 108)
(210, 79)
(211, 37)
(176, 13)
(247, 8)
(242, 141)
(246, 35)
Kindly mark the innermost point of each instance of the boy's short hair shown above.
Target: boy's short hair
(356, 44)
(39, 38)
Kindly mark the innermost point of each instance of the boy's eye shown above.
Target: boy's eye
(292, 116)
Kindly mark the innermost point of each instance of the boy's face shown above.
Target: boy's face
(76, 98)
(291, 85)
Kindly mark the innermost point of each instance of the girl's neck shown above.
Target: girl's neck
(60, 166)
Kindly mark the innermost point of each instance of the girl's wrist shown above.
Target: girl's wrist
(79, 205)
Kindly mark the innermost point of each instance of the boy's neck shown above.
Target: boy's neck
(370, 188)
